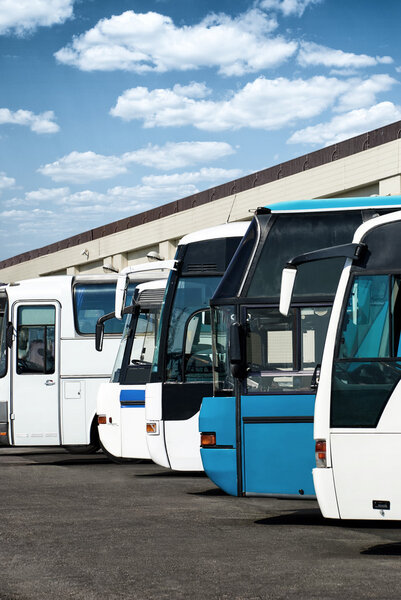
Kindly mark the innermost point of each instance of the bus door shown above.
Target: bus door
(277, 401)
(36, 374)
(365, 421)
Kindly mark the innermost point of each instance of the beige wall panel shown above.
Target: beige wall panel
(364, 173)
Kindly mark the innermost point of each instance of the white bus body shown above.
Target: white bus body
(121, 401)
(182, 367)
(357, 414)
(49, 370)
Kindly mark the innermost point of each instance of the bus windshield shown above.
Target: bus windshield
(189, 344)
(137, 345)
(367, 365)
(291, 235)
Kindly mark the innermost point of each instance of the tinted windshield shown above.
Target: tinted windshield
(137, 347)
(192, 295)
(291, 235)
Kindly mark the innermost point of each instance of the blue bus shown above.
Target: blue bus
(257, 429)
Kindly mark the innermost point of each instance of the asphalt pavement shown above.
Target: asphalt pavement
(81, 527)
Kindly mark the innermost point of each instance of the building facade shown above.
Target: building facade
(369, 164)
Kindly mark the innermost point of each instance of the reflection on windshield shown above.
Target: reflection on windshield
(192, 294)
(367, 367)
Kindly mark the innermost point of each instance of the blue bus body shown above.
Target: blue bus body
(262, 418)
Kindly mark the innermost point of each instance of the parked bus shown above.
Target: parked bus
(182, 366)
(257, 429)
(121, 401)
(357, 415)
(49, 370)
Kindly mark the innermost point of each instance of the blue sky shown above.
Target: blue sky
(109, 108)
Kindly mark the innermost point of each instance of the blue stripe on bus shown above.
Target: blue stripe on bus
(132, 398)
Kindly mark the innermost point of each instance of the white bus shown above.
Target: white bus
(357, 427)
(121, 401)
(182, 366)
(49, 370)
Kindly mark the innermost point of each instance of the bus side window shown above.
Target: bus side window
(35, 339)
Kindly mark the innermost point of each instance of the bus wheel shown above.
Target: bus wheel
(118, 459)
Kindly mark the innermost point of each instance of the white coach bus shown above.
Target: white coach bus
(357, 427)
(49, 370)
(121, 401)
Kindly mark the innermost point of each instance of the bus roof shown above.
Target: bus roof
(235, 229)
(327, 204)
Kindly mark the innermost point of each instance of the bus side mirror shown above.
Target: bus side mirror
(99, 336)
(237, 351)
(9, 334)
(288, 277)
(315, 377)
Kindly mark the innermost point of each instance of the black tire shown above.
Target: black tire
(118, 459)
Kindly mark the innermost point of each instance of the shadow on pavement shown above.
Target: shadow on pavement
(393, 549)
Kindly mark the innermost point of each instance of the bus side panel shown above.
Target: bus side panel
(366, 467)
(217, 415)
(278, 449)
(325, 492)
(108, 404)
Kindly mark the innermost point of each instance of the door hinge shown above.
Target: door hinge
(12, 417)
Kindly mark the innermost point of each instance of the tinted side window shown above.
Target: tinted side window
(35, 339)
(93, 300)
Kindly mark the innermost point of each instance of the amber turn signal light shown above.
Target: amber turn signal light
(152, 428)
(101, 420)
(208, 439)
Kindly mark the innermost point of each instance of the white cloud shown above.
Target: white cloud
(178, 155)
(205, 174)
(347, 125)
(143, 42)
(81, 167)
(261, 104)
(311, 55)
(6, 182)
(21, 16)
(288, 7)
(362, 92)
(42, 123)
(47, 194)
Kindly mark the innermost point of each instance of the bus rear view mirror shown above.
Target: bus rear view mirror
(287, 287)
(237, 351)
(99, 336)
(9, 335)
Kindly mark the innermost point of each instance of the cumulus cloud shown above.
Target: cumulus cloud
(362, 93)
(178, 155)
(24, 16)
(205, 174)
(47, 194)
(347, 125)
(143, 42)
(288, 7)
(261, 104)
(42, 123)
(6, 182)
(81, 167)
(312, 55)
